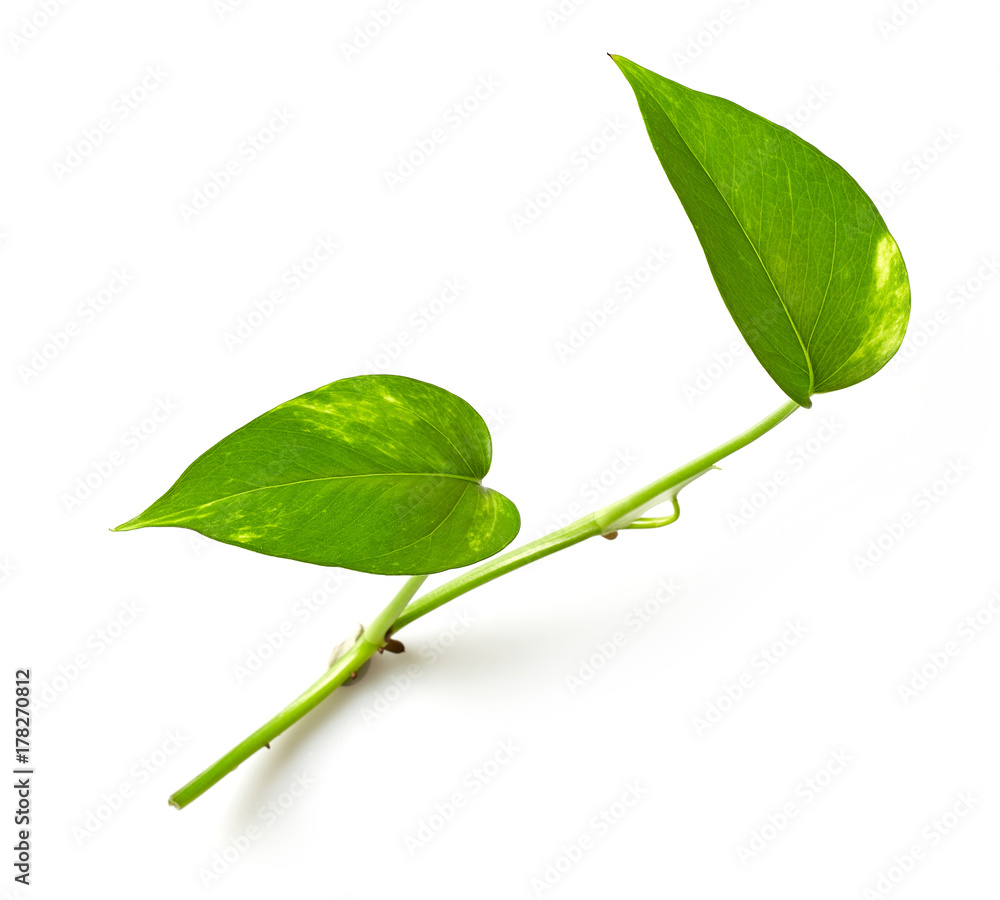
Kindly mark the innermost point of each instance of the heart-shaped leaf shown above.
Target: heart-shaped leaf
(377, 473)
(800, 254)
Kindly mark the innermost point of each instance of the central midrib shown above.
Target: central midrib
(750, 243)
(269, 487)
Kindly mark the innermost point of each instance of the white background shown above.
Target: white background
(911, 103)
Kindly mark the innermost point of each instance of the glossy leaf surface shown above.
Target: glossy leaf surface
(801, 256)
(377, 473)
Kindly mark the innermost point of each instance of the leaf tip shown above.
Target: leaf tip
(130, 525)
(617, 60)
(620, 61)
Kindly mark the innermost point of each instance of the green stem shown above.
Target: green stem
(620, 514)
(372, 640)
(624, 513)
(377, 629)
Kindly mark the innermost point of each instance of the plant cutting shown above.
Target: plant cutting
(384, 474)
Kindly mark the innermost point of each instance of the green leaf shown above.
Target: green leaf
(377, 473)
(800, 254)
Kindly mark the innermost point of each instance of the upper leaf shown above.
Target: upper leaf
(801, 256)
(377, 473)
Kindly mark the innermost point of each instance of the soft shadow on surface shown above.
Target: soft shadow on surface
(269, 772)
(503, 650)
